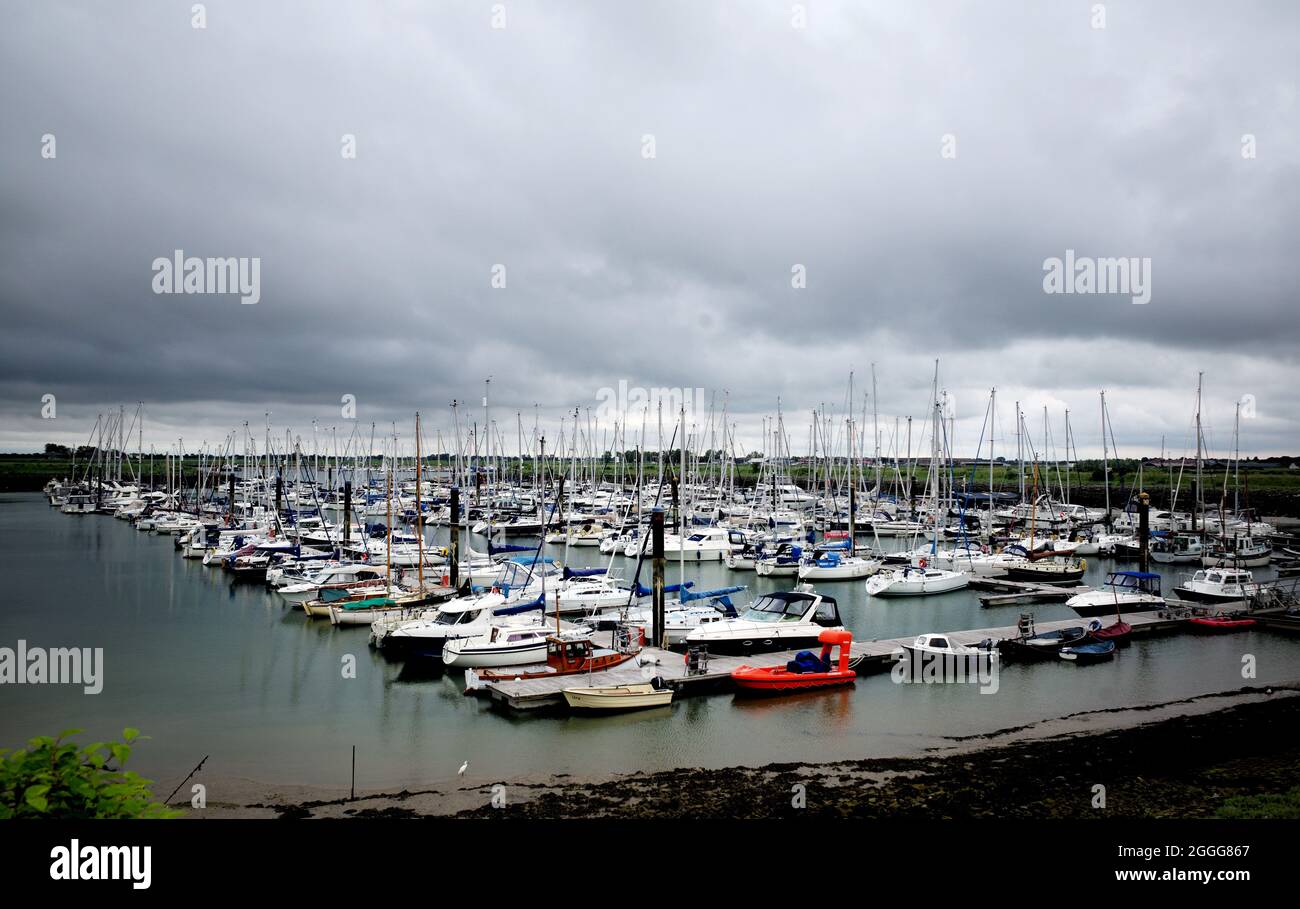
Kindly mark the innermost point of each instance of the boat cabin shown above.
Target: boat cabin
(794, 606)
(569, 653)
(1224, 577)
(1134, 582)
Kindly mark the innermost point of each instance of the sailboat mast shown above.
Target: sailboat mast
(1196, 509)
(419, 517)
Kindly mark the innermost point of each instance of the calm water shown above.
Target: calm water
(204, 666)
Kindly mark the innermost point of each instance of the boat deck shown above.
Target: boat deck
(867, 656)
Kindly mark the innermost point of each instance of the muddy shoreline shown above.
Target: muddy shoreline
(1179, 759)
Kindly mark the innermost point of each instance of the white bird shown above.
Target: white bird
(463, 768)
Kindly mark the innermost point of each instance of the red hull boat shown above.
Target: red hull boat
(801, 675)
(1220, 624)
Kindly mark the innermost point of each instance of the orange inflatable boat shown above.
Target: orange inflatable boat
(806, 671)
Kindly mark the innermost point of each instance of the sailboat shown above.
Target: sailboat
(842, 562)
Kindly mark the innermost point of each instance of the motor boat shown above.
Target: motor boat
(806, 671)
(425, 634)
(951, 657)
(910, 581)
(567, 653)
(1179, 549)
(681, 617)
(705, 544)
(783, 620)
(1124, 591)
(1238, 552)
(1218, 585)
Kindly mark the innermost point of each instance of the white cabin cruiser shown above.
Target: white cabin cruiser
(703, 544)
(1124, 591)
(465, 617)
(784, 620)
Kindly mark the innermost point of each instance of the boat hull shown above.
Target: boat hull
(771, 680)
(617, 698)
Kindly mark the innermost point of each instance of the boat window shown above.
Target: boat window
(939, 642)
(826, 612)
(766, 609)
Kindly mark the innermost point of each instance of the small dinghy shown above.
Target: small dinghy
(1030, 646)
(1092, 652)
(1220, 624)
(619, 697)
(806, 671)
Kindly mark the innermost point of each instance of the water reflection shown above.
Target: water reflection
(207, 666)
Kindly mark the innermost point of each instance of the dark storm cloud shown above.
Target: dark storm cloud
(523, 146)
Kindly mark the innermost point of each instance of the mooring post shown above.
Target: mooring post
(1144, 533)
(657, 550)
(347, 511)
(453, 549)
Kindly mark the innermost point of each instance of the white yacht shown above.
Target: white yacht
(499, 645)
(910, 581)
(785, 620)
(1124, 591)
(834, 565)
(1218, 585)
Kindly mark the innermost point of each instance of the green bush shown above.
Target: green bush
(53, 778)
(1278, 806)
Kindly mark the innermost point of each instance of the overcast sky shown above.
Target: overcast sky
(829, 147)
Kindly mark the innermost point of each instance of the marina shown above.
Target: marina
(482, 560)
(872, 417)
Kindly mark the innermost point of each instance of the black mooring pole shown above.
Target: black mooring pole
(347, 511)
(453, 551)
(1144, 531)
(657, 550)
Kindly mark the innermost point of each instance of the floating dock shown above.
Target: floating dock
(867, 657)
(1013, 593)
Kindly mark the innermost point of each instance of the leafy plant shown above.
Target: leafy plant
(1279, 805)
(54, 778)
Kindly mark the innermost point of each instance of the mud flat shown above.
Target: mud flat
(1179, 759)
